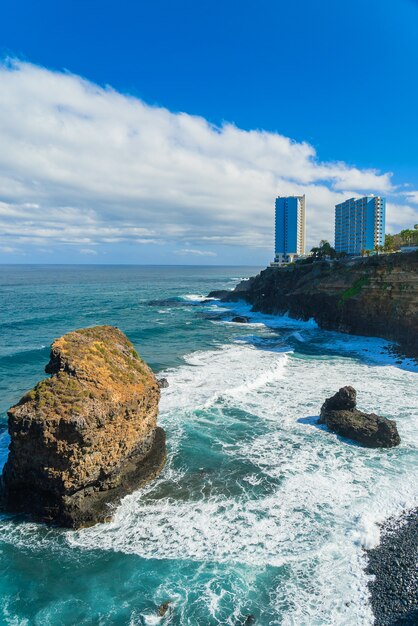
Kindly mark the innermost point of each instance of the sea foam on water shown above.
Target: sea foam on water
(294, 497)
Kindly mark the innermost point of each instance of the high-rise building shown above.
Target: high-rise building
(289, 228)
(360, 224)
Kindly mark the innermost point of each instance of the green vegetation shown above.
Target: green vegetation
(324, 251)
(354, 289)
(407, 237)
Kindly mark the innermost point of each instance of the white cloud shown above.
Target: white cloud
(194, 252)
(412, 196)
(83, 165)
(399, 216)
(88, 251)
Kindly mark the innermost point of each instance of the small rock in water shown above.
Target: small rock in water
(163, 383)
(163, 608)
(240, 319)
(339, 413)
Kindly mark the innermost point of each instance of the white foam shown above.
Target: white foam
(271, 321)
(324, 499)
(195, 297)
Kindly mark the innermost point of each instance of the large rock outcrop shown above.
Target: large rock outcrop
(86, 436)
(375, 296)
(339, 413)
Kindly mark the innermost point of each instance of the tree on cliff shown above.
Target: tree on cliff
(409, 236)
(389, 245)
(325, 250)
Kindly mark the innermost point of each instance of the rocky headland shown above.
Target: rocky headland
(340, 415)
(88, 435)
(375, 296)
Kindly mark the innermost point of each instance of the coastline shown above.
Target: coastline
(372, 297)
(393, 565)
(245, 462)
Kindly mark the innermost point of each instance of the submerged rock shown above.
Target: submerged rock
(241, 319)
(339, 413)
(163, 608)
(88, 435)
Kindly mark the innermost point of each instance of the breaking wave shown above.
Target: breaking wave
(252, 481)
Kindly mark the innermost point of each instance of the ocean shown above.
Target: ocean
(260, 516)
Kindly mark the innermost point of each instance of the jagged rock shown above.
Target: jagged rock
(339, 413)
(163, 608)
(344, 400)
(163, 383)
(240, 319)
(88, 435)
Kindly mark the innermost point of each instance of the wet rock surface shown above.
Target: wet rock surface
(164, 608)
(340, 415)
(393, 564)
(163, 383)
(240, 319)
(88, 435)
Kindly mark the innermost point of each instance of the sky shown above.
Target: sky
(161, 132)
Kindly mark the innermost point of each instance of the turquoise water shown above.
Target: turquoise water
(258, 512)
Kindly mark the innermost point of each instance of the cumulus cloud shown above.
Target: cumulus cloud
(195, 252)
(400, 216)
(82, 165)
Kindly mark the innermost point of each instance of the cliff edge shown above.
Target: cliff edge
(375, 296)
(86, 436)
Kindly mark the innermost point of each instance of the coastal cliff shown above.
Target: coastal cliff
(375, 296)
(86, 436)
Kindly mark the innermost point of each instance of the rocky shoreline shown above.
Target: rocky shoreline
(393, 565)
(375, 296)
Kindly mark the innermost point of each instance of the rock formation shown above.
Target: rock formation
(86, 436)
(339, 413)
(240, 319)
(375, 296)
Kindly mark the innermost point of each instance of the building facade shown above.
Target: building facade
(289, 228)
(360, 224)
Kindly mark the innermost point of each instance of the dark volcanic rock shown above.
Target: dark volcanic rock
(88, 435)
(163, 383)
(343, 400)
(375, 296)
(341, 416)
(240, 319)
(393, 564)
(219, 294)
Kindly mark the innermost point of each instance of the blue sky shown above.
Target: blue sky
(160, 132)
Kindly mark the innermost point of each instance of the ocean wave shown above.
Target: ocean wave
(325, 498)
(195, 297)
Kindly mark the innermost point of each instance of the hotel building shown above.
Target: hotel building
(360, 224)
(289, 228)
